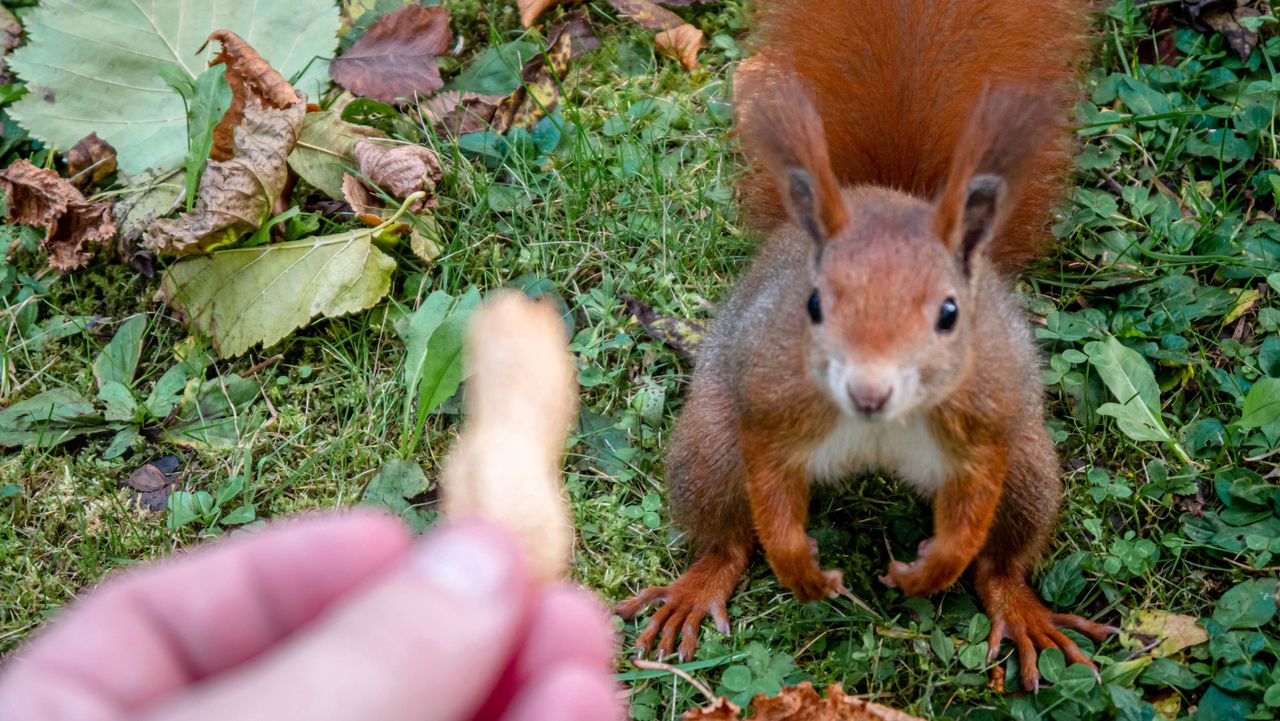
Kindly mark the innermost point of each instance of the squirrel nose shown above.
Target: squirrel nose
(870, 399)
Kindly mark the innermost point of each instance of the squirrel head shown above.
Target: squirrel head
(895, 277)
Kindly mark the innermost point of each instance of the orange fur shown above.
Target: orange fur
(895, 80)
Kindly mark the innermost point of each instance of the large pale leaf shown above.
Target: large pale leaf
(245, 296)
(90, 65)
(1131, 381)
(53, 417)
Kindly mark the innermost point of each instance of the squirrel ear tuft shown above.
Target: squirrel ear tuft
(983, 205)
(782, 130)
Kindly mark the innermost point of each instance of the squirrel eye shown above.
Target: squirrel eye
(815, 307)
(948, 314)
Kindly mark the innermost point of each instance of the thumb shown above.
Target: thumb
(426, 643)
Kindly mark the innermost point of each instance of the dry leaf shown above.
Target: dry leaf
(681, 43)
(90, 161)
(578, 27)
(401, 170)
(540, 92)
(362, 202)
(236, 195)
(249, 76)
(531, 9)
(10, 38)
(39, 197)
(682, 335)
(453, 113)
(802, 703)
(1175, 631)
(647, 15)
(396, 57)
(1223, 17)
(154, 481)
(521, 400)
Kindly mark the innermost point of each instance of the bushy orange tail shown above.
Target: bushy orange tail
(896, 83)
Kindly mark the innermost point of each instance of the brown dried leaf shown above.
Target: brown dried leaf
(647, 15)
(522, 397)
(39, 197)
(1223, 17)
(578, 27)
(401, 170)
(396, 57)
(10, 38)
(682, 335)
(802, 703)
(531, 9)
(249, 76)
(90, 161)
(453, 113)
(236, 195)
(681, 43)
(540, 92)
(362, 202)
(154, 481)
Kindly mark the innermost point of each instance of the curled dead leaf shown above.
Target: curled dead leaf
(1226, 17)
(681, 43)
(90, 161)
(396, 56)
(803, 703)
(453, 113)
(236, 195)
(72, 224)
(647, 14)
(682, 335)
(531, 9)
(539, 94)
(577, 26)
(362, 202)
(401, 170)
(521, 402)
(249, 76)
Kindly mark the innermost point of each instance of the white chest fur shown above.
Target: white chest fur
(905, 447)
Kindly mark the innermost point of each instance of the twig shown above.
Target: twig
(264, 364)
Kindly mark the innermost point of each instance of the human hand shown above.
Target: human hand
(325, 618)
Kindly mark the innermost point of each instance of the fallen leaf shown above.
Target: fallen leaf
(647, 15)
(453, 113)
(241, 297)
(107, 81)
(521, 401)
(539, 94)
(683, 336)
(152, 196)
(250, 76)
(681, 43)
(682, 3)
(10, 38)
(531, 9)
(72, 224)
(1224, 17)
(577, 26)
(396, 57)
(1161, 43)
(213, 413)
(153, 482)
(1174, 630)
(90, 161)
(400, 170)
(325, 148)
(802, 703)
(362, 202)
(236, 195)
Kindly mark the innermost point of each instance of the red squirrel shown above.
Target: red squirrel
(908, 154)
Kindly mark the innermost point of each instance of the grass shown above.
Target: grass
(1170, 245)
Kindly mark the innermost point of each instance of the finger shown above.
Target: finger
(148, 632)
(427, 642)
(570, 693)
(568, 626)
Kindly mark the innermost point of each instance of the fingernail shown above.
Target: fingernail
(467, 561)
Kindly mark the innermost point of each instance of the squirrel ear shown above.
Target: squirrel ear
(983, 204)
(782, 130)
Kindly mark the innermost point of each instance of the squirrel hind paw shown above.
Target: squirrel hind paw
(1024, 620)
(679, 618)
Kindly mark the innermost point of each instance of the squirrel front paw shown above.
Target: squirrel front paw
(928, 574)
(815, 584)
